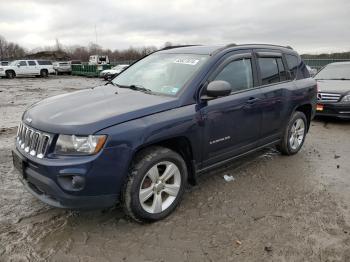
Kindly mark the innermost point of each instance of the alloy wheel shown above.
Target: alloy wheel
(297, 134)
(160, 187)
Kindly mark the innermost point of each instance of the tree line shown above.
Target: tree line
(11, 51)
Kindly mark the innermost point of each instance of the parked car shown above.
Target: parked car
(334, 90)
(312, 71)
(161, 123)
(114, 71)
(27, 68)
(62, 67)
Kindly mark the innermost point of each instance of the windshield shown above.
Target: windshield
(162, 73)
(334, 72)
(13, 63)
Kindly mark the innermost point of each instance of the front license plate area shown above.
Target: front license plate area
(19, 164)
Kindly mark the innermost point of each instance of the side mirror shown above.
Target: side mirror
(217, 88)
(18, 65)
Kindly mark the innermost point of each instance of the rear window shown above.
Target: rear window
(269, 70)
(31, 63)
(63, 64)
(44, 62)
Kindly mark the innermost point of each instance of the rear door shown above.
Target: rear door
(32, 67)
(274, 86)
(232, 123)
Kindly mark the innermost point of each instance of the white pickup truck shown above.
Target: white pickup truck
(27, 68)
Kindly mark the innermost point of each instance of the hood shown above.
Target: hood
(88, 111)
(110, 71)
(334, 86)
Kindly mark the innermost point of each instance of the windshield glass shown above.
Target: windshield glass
(335, 72)
(162, 73)
(13, 63)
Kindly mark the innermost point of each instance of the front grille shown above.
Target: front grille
(32, 141)
(328, 97)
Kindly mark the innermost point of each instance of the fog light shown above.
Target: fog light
(71, 182)
(78, 182)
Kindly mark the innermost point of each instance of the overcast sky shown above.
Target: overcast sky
(307, 25)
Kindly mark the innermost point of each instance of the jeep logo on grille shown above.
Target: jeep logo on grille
(29, 120)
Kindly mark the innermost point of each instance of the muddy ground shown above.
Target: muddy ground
(277, 209)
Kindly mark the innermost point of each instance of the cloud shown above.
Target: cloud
(308, 26)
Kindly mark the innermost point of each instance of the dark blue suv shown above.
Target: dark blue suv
(162, 122)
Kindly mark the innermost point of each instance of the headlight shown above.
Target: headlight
(79, 145)
(346, 98)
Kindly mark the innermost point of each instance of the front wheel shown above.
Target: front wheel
(294, 134)
(10, 74)
(155, 184)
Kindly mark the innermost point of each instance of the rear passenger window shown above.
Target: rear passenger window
(282, 70)
(23, 63)
(269, 70)
(238, 73)
(31, 63)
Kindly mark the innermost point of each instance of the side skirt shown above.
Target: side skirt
(205, 169)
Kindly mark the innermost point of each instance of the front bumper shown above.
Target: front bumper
(339, 110)
(41, 181)
(2, 73)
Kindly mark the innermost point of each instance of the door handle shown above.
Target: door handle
(252, 100)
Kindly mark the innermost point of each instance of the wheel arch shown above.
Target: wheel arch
(307, 110)
(10, 70)
(180, 145)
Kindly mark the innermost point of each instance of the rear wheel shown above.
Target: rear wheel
(294, 134)
(155, 184)
(10, 74)
(44, 73)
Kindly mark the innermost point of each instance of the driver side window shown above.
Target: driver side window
(238, 73)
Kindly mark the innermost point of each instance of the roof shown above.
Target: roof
(211, 49)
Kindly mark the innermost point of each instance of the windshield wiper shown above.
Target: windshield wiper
(110, 83)
(342, 78)
(137, 88)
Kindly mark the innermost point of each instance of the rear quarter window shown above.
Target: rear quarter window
(44, 62)
(296, 67)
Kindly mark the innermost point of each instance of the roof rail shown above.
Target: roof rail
(175, 46)
(233, 45)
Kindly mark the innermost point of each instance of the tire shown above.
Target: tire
(44, 73)
(294, 134)
(145, 182)
(10, 74)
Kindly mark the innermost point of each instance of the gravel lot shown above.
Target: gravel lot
(277, 208)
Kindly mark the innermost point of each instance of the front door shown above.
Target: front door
(232, 123)
(22, 68)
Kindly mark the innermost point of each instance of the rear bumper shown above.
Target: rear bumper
(339, 110)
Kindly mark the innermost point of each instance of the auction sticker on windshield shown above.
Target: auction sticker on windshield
(186, 61)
